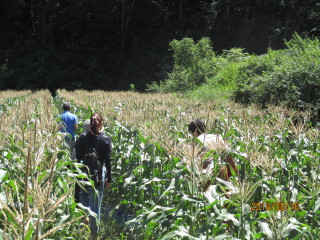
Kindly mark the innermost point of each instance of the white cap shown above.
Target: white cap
(86, 125)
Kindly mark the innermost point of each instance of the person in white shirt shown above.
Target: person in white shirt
(211, 141)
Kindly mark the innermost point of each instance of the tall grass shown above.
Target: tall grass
(5, 95)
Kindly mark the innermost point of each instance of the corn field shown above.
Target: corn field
(159, 189)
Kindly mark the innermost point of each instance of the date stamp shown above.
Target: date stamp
(275, 206)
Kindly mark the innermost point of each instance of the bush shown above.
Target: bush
(193, 64)
(228, 66)
(200, 72)
(290, 77)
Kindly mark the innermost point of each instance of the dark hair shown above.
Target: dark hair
(95, 123)
(197, 125)
(66, 106)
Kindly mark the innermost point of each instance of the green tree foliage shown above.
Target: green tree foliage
(290, 77)
(192, 65)
(223, 82)
(110, 44)
(197, 67)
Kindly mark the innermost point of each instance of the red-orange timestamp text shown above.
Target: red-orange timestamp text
(277, 206)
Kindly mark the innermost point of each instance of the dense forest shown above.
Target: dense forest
(112, 44)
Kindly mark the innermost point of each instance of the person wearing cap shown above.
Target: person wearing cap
(69, 125)
(86, 125)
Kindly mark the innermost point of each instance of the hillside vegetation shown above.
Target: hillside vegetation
(289, 77)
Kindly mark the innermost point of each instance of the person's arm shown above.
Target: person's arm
(79, 155)
(77, 190)
(80, 146)
(230, 160)
(107, 161)
(75, 126)
(105, 155)
(108, 158)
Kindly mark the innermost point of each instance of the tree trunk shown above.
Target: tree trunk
(122, 24)
(181, 23)
(125, 19)
(32, 17)
(228, 18)
(246, 23)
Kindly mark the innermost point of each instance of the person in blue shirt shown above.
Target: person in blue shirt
(69, 125)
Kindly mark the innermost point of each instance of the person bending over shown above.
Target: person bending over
(211, 141)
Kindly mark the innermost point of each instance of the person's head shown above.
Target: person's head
(86, 125)
(96, 123)
(197, 127)
(66, 106)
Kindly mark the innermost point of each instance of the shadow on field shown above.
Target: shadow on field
(119, 214)
(113, 219)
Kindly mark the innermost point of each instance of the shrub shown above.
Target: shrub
(200, 72)
(290, 77)
(223, 82)
(193, 64)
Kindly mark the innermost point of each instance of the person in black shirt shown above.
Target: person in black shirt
(94, 138)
